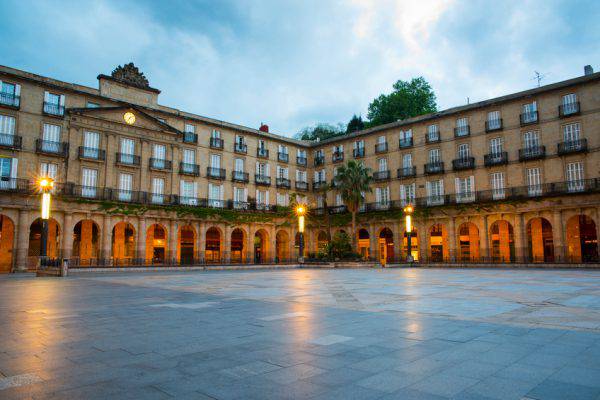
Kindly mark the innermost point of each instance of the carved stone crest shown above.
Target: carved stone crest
(130, 75)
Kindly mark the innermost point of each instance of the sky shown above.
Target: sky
(292, 64)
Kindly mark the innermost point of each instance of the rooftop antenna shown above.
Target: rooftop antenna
(538, 77)
(468, 102)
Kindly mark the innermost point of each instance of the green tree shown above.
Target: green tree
(320, 131)
(355, 124)
(322, 191)
(352, 180)
(408, 99)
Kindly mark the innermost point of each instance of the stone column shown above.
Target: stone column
(227, 244)
(519, 238)
(107, 237)
(422, 240)
(373, 243)
(397, 231)
(273, 234)
(484, 243)
(452, 251)
(141, 240)
(201, 241)
(67, 235)
(22, 236)
(173, 235)
(196, 226)
(250, 245)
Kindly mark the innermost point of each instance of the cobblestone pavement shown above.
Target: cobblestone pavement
(303, 334)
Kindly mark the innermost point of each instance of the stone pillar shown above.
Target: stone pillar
(452, 250)
(22, 236)
(175, 168)
(373, 243)
(483, 239)
(109, 172)
(145, 155)
(141, 240)
(196, 226)
(273, 237)
(250, 245)
(422, 240)
(173, 235)
(227, 244)
(520, 244)
(107, 237)
(201, 241)
(67, 235)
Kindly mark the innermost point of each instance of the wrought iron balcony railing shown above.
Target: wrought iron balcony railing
(263, 180)
(301, 185)
(381, 147)
(283, 183)
(319, 160)
(216, 143)
(319, 184)
(405, 142)
(407, 172)
(240, 176)
(12, 142)
(10, 100)
(528, 118)
(301, 161)
(215, 173)
(572, 147)
(49, 147)
(381, 175)
(160, 164)
(190, 137)
(460, 164)
(491, 159)
(189, 169)
(128, 159)
(493, 125)
(241, 148)
(91, 153)
(262, 152)
(359, 152)
(283, 157)
(569, 109)
(436, 167)
(462, 131)
(54, 109)
(337, 156)
(532, 153)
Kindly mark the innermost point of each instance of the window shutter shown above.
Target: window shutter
(13, 168)
(402, 193)
(378, 195)
(245, 199)
(457, 184)
(266, 197)
(428, 187)
(46, 97)
(472, 185)
(268, 170)
(17, 89)
(257, 167)
(62, 100)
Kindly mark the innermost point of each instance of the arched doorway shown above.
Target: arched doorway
(261, 246)
(502, 241)
(186, 249)
(237, 245)
(7, 233)
(364, 243)
(414, 244)
(212, 252)
(468, 242)
(86, 236)
(582, 240)
(123, 242)
(282, 241)
(386, 246)
(438, 243)
(35, 239)
(156, 243)
(321, 241)
(297, 243)
(539, 240)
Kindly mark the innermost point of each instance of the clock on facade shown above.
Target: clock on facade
(129, 118)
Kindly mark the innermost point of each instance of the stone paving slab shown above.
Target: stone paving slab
(303, 334)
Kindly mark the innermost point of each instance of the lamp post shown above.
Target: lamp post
(408, 210)
(45, 185)
(301, 212)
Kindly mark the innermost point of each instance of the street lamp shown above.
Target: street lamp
(45, 185)
(301, 212)
(408, 210)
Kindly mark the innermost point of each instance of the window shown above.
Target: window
(158, 190)
(406, 135)
(462, 126)
(383, 165)
(51, 138)
(497, 183)
(262, 199)
(283, 149)
(7, 130)
(534, 185)
(8, 173)
(360, 144)
(215, 195)
(10, 94)
(339, 201)
(282, 173)
(465, 189)
(238, 165)
(571, 133)
(531, 140)
(282, 199)
(434, 156)
(240, 198)
(89, 181)
(127, 151)
(92, 105)
(433, 133)
(493, 120)
(407, 161)
(320, 201)
(49, 170)
(261, 144)
(91, 142)
(320, 176)
(54, 103)
(263, 169)
(188, 192)
(407, 194)
(189, 128)
(575, 178)
(301, 153)
(319, 153)
(435, 192)
(189, 156)
(382, 197)
(215, 162)
(496, 146)
(159, 153)
(381, 140)
(529, 112)
(300, 176)
(125, 187)
(463, 151)
(569, 104)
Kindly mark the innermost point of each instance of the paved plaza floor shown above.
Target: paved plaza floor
(302, 334)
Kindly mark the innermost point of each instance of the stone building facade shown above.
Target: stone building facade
(514, 178)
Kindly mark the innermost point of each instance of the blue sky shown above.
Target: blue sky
(295, 63)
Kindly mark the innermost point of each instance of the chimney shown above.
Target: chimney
(588, 70)
(264, 127)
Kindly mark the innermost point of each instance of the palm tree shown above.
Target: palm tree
(323, 189)
(352, 181)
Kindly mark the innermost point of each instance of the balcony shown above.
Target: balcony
(283, 183)
(240, 176)
(319, 185)
(54, 110)
(532, 153)
(528, 118)
(462, 131)
(433, 138)
(262, 180)
(11, 142)
(338, 209)
(216, 143)
(493, 125)
(14, 185)
(215, 173)
(128, 159)
(189, 169)
(10, 100)
(381, 148)
(572, 147)
(569, 109)
(492, 159)
(60, 149)
(301, 161)
(407, 172)
(319, 160)
(91, 153)
(381, 175)
(359, 152)
(283, 157)
(240, 148)
(262, 152)
(127, 196)
(461, 164)
(301, 185)
(435, 167)
(160, 164)
(337, 156)
(190, 137)
(405, 143)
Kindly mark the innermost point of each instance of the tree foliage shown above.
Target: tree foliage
(320, 131)
(408, 99)
(356, 124)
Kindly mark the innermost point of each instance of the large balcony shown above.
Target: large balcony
(12, 142)
(54, 110)
(532, 153)
(216, 143)
(569, 109)
(215, 173)
(59, 149)
(492, 159)
(528, 118)
(381, 175)
(262, 180)
(436, 167)
(160, 164)
(128, 159)
(407, 172)
(572, 147)
(10, 100)
(189, 169)
(240, 176)
(283, 183)
(461, 164)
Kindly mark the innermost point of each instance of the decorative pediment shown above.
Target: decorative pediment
(129, 74)
(118, 115)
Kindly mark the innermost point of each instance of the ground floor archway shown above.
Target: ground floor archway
(468, 242)
(414, 244)
(582, 240)
(540, 244)
(156, 243)
(186, 245)
(386, 246)
(261, 246)
(282, 241)
(322, 241)
(123, 242)
(7, 233)
(438, 243)
(35, 239)
(364, 243)
(502, 241)
(212, 252)
(86, 241)
(238, 240)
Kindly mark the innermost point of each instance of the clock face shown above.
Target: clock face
(129, 118)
